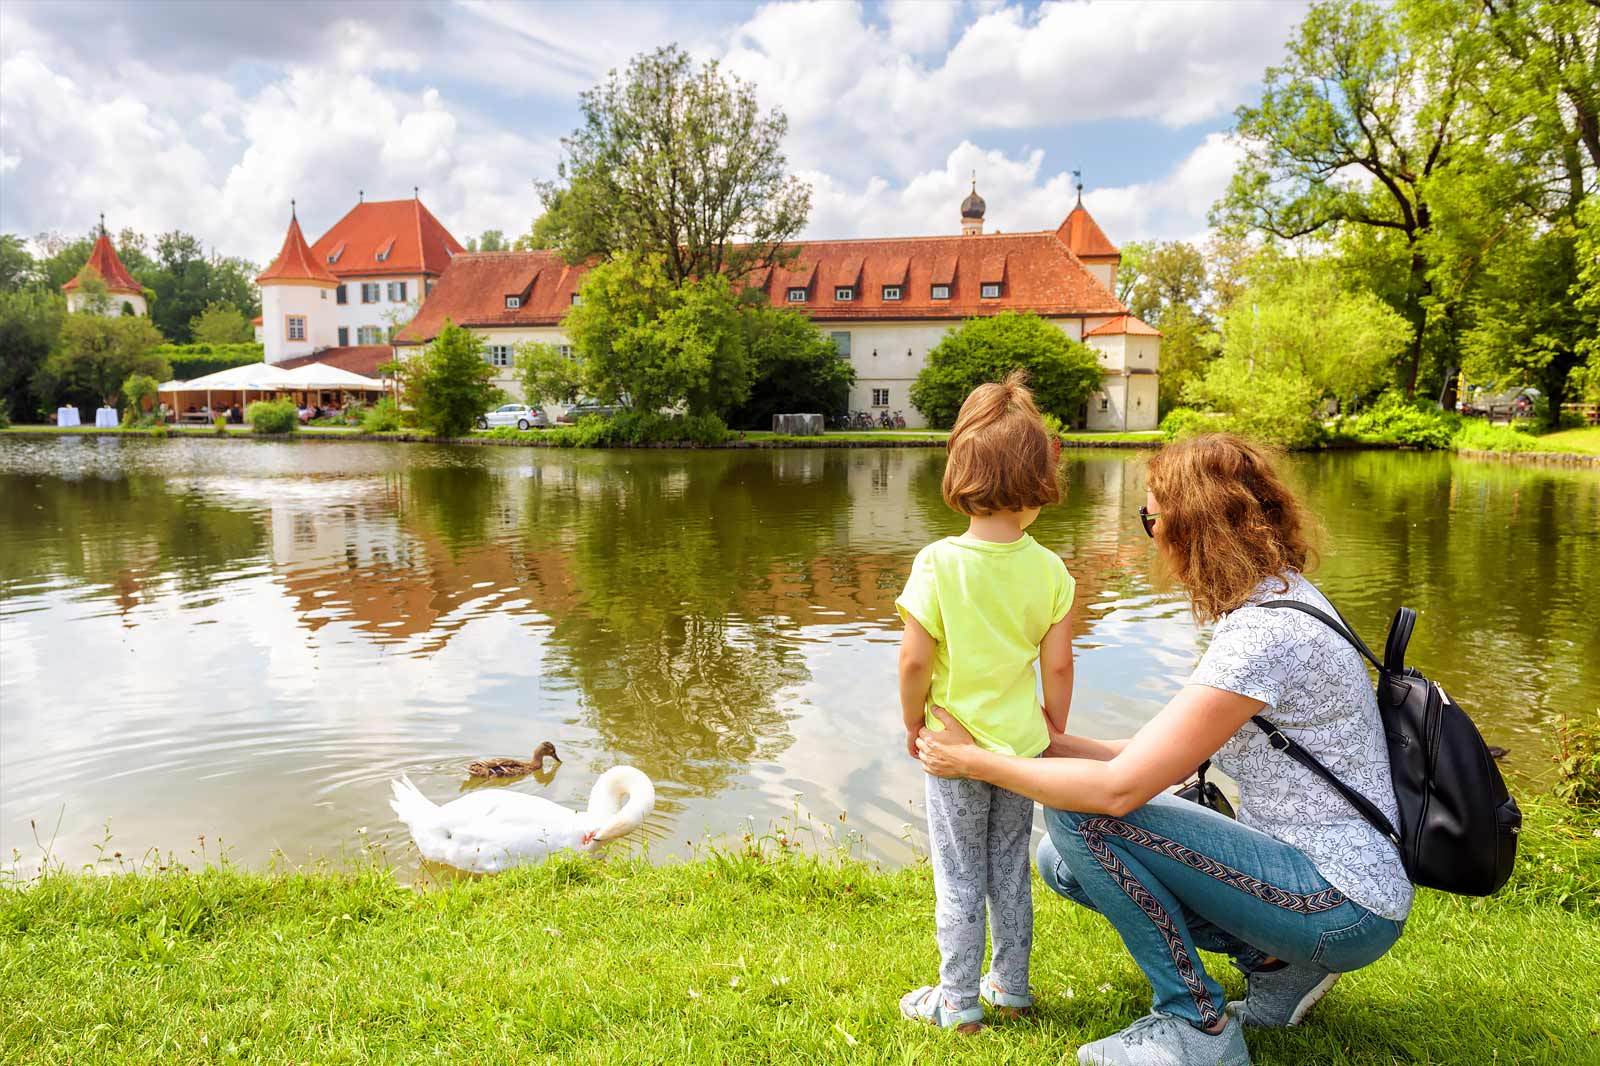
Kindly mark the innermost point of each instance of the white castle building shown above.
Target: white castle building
(885, 302)
(123, 295)
(340, 300)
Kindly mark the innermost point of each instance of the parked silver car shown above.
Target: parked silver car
(514, 414)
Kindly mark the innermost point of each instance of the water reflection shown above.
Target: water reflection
(249, 639)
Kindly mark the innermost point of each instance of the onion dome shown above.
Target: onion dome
(973, 206)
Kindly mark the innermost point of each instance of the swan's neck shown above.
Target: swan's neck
(620, 802)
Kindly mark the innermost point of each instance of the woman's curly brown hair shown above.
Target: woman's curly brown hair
(1227, 520)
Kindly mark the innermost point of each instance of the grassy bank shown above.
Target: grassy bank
(734, 958)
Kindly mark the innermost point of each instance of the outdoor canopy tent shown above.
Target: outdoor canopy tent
(257, 381)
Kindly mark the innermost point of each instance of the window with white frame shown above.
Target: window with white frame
(891, 292)
(880, 397)
(991, 290)
(797, 295)
(844, 293)
(841, 344)
(513, 302)
(499, 355)
(295, 327)
(565, 350)
(339, 296)
(369, 292)
(344, 336)
(397, 292)
(369, 335)
(577, 298)
(941, 292)
(1105, 402)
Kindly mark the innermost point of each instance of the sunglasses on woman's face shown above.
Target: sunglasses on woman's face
(1147, 519)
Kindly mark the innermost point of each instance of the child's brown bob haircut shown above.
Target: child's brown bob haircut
(1001, 456)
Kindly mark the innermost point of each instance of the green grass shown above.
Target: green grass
(1584, 441)
(758, 956)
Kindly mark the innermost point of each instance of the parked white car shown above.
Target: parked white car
(514, 414)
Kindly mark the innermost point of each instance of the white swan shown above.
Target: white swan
(492, 830)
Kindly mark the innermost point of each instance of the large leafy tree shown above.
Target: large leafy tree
(94, 355)
(186, 281)
(16, 263)
(221, 323)
(643, 341)
(1167, 286)
(1354, 129)
(1062, 372)
(676, 162)
(451, 383)
(795, 368)
(30, 320)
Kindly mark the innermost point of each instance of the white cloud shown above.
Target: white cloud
(1022, 195)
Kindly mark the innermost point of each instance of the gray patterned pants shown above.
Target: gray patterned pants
(978, 838)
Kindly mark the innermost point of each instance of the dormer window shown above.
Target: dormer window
(991, 291)
(577, 298)
(844, 293)
(383, 252)
(513, 302)
(797, 295)
(891, 292)
(333, 256)
(941, 292)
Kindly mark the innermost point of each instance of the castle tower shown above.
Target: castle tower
(972, 209)
(1081, 233)
(125, 296)
(297, 309)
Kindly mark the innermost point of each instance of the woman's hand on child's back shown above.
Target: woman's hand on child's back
(911, 743)
(944, 752)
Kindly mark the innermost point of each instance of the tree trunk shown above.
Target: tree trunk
(1416, 288)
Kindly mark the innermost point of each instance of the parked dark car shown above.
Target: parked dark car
(586, 407)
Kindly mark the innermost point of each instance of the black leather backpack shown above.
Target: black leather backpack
(1458, 824)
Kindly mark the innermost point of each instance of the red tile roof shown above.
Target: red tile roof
(103, 261)
(1123, 324)
(256, 321)
(1038, 272)
(356, 358)
(294, 261)
(415, 241)
(1080, 233)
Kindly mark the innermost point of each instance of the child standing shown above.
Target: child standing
(980, 609)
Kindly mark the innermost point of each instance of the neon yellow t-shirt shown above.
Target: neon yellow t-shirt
(988, 606)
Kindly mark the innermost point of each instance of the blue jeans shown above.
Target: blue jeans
(1172, 876)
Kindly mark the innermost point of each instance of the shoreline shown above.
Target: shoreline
(764, 952)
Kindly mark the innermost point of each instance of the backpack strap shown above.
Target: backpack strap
(1394, 652)
(1364, 807)
(1342, 628)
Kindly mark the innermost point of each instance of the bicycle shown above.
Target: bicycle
(884, 421)
(899, 420)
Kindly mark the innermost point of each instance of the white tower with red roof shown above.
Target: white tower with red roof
(125, 295)
(298, 315)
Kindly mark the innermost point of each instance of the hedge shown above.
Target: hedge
(190, 361)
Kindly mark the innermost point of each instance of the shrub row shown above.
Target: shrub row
(190, 361)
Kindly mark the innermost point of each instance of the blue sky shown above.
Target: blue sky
(211, 117)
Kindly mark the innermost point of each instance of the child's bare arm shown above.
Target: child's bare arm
(1055, 672)
(917, 648)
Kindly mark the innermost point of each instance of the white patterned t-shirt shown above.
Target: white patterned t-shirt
(1317, 691)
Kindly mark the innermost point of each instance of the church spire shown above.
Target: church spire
(972, 211)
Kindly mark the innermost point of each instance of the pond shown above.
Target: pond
(245, 641)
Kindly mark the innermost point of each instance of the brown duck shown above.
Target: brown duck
(505, 766)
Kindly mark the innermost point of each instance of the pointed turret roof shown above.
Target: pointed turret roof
(1084, 236)
(295, 261)
(103, 261)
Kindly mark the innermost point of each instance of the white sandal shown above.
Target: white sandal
(1007, 1004)
(927, 1005)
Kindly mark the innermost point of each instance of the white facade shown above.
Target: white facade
(888, 356)
(297, 318)
(78, 300)
(372, 305)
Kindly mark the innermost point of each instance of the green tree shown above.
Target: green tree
(641, 341)
(1062, 372)
(547, 376)
(221, 324)
(545, 231)
(795, 368)
(30, 322)
(451, 384)
(1365, 89)
(678, 163)
(493, 240)
(1188, 344)
(94, 355)
(185, 282)
(1169, 275)
(16, 263)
